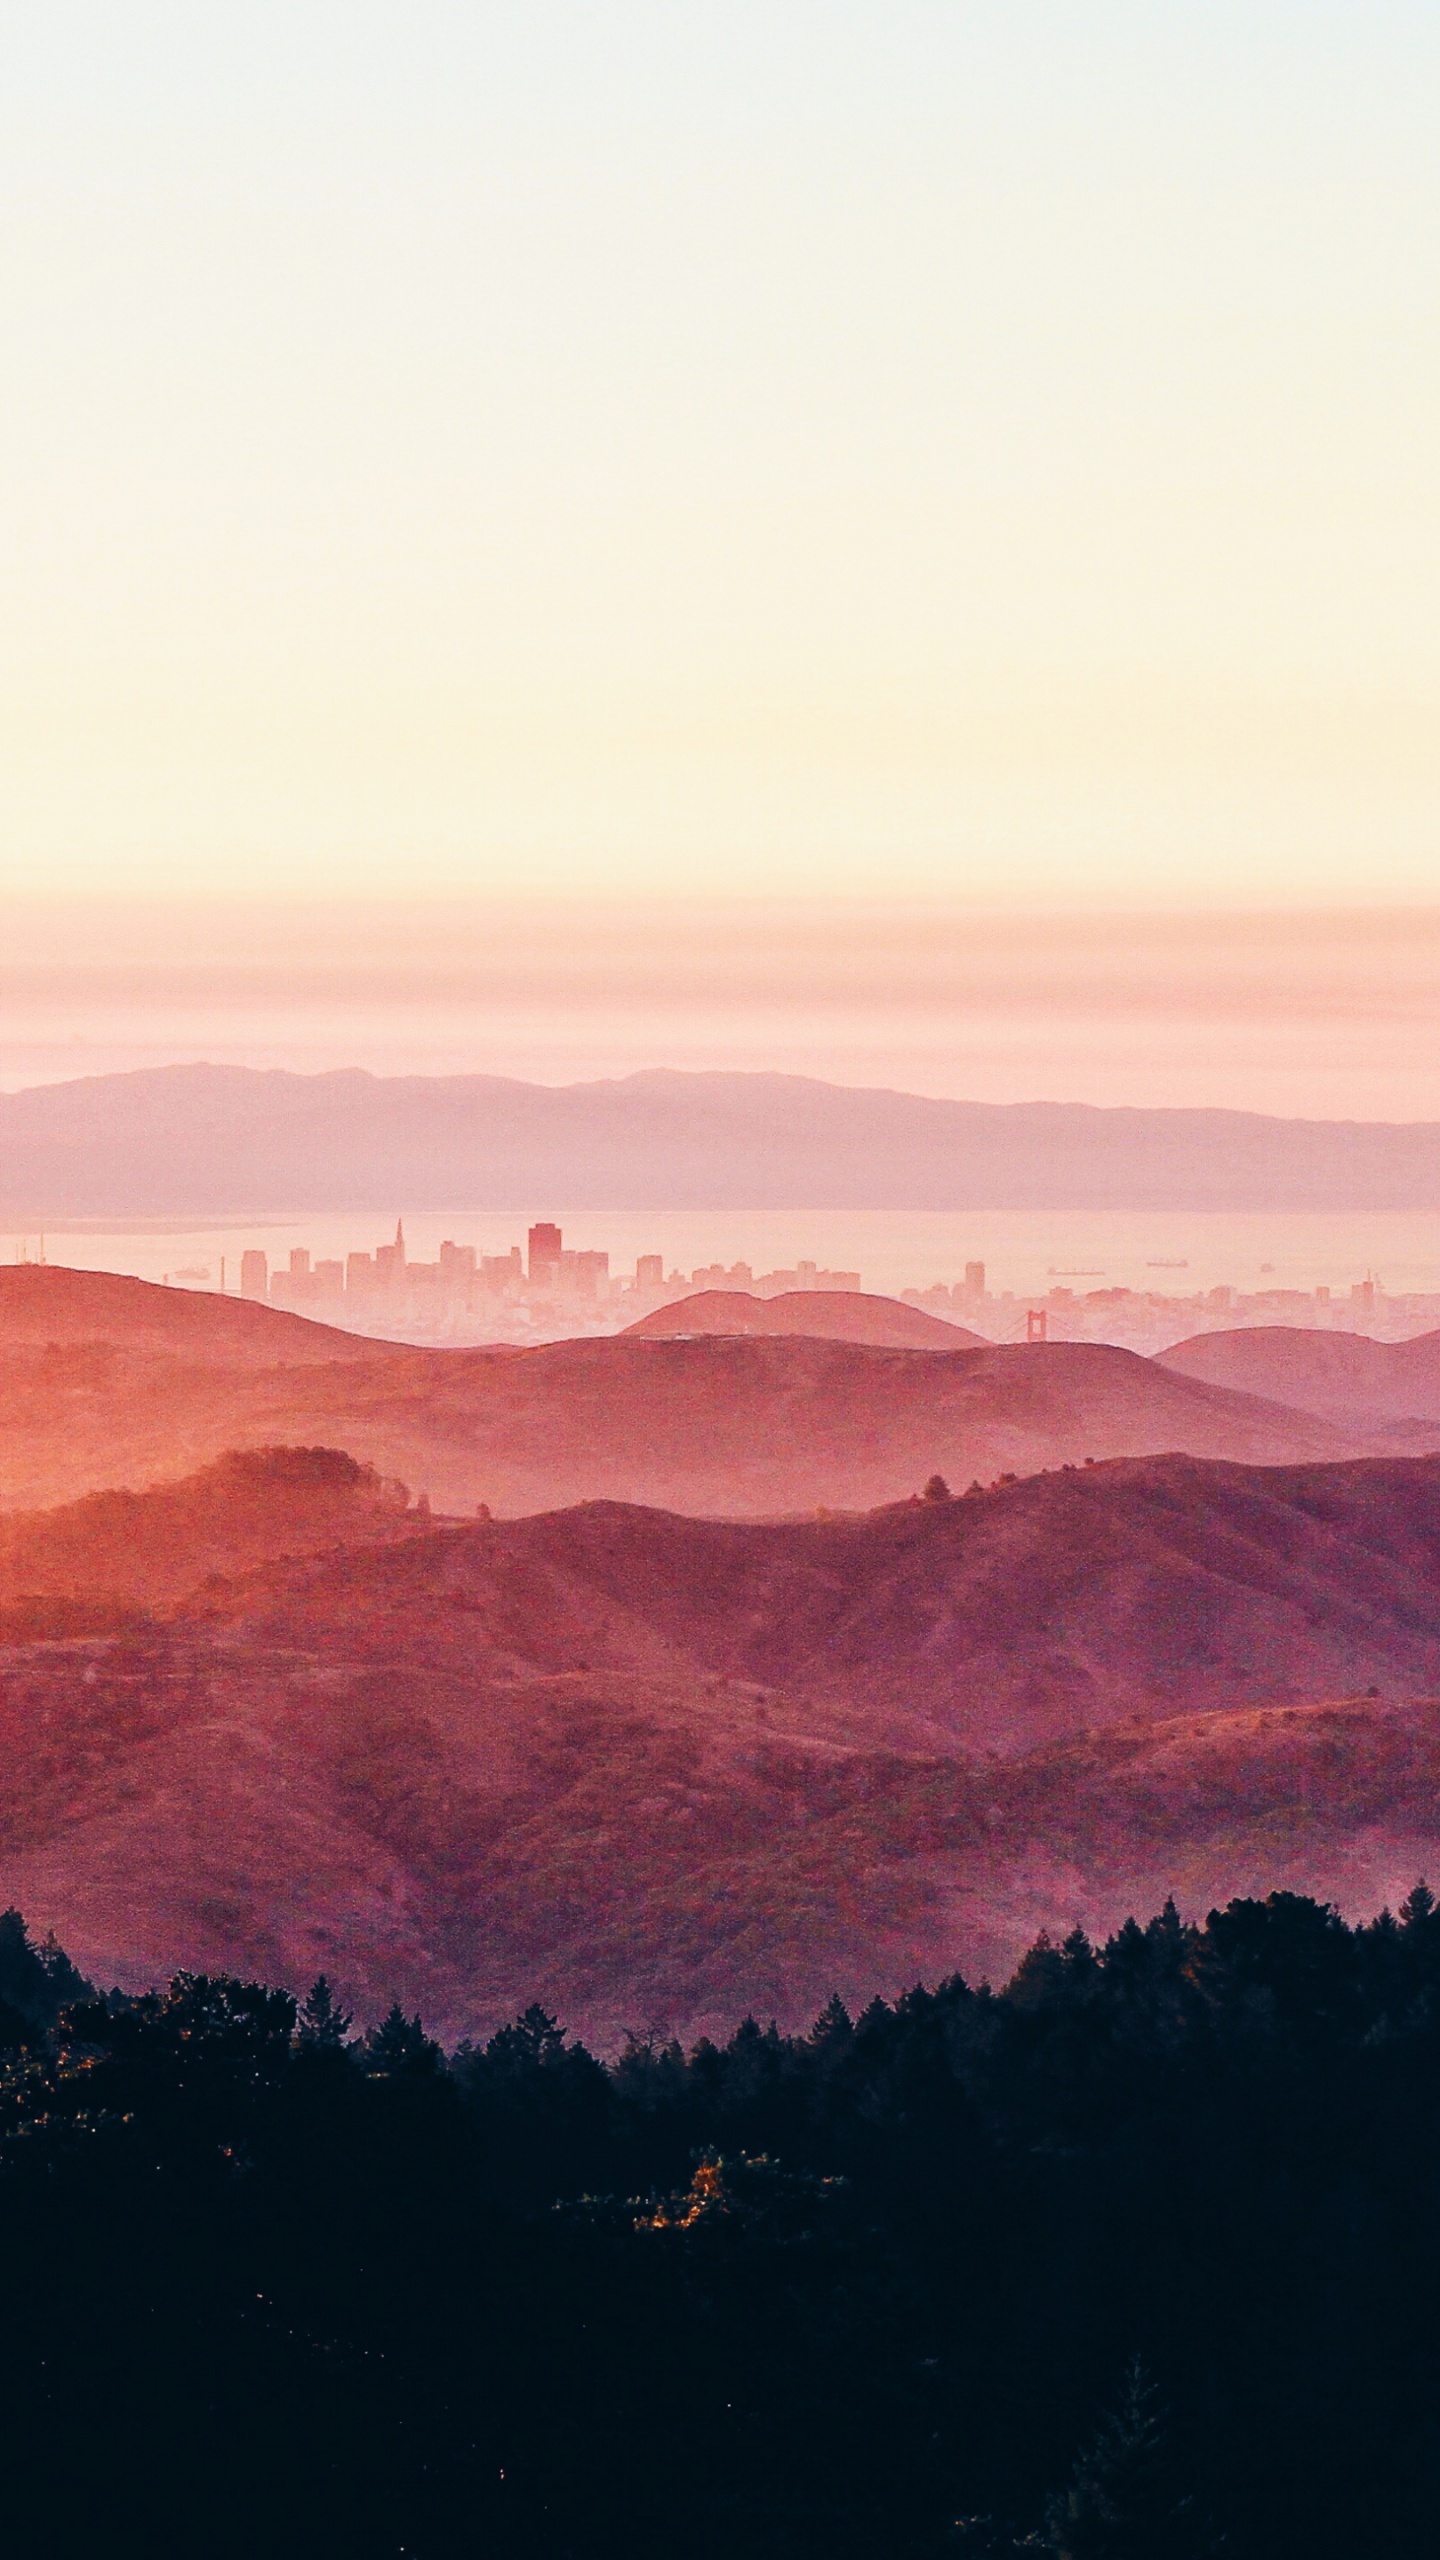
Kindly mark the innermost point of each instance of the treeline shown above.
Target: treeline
(1136, 2259)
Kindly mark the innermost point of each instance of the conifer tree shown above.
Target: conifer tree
(322, 2020)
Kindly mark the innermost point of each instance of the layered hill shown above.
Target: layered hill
(147, 1549)
(830, 1315)
(44, 1303)
(1346, 1376)
(653, 1770)
(1149, 1588)
(207, 1140)
(635, 1857)
(720, 1424)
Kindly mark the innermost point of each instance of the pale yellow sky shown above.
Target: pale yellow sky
(1321, 1012)
(964, 450)
(966, 445)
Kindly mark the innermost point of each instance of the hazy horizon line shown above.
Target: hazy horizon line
(726, 1075)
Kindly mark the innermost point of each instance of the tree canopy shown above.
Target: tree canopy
(1133, 2259)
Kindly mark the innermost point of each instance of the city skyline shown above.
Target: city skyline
(547, 1282)
(546, 1291)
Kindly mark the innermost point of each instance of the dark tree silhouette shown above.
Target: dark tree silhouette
(266, 2284)
(322, 2021)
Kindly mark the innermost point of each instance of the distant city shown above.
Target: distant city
(548, 1288)
(1153, 1319)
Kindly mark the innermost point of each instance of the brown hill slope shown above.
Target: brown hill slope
(831, 1315)
(719, 1425)
(150, 1548)
(656, 1770)
(1344, 1375)
(44, 1303)
(631, 1854)
(1150, 1587)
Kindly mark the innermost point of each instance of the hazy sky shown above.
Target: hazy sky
(946, 452)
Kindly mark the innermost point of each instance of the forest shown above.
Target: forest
(1136, 2258)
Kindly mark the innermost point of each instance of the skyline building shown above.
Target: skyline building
(544, 1245)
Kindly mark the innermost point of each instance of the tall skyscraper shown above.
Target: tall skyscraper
(390, 1258)
(544, 1243)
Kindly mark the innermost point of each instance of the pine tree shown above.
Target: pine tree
(399, 2049)
(1121, 2503)
(322, 2020)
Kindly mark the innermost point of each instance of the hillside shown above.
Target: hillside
(42, 1303)
(652, 1770)
(830, 1315)
(1151, 1587)
(723, 1424)
(150, 1548)
(1346, 1376)
(634, 1857)
(208, 1140)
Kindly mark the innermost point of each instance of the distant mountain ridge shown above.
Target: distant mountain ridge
(209, 1140)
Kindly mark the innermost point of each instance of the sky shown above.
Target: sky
(899, 541)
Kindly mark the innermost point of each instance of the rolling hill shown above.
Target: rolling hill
(1068, 1601)
(44, 1303)
(829, 1315)
(149, 1548)
(652, 1770)
(1346, 1376)
(721, 1424)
